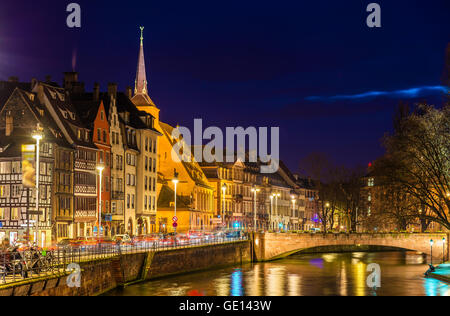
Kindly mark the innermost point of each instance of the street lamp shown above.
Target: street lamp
(431, 245)
(277, 195)
(37, 136)
(224, 190)
(100, 168)
(293, 207)
(254, 190)
(271, 209)
(175, 182)
(443, 249)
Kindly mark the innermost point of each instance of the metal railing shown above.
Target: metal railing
(32, 263)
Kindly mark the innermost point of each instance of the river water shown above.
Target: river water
(343, 274)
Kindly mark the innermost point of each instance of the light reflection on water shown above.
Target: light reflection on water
(316, 274)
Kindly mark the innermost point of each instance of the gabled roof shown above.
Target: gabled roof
(7, 88)
(166, 197)
(193, 169)
(22, 134)
(59, 104)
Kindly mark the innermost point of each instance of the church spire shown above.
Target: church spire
(141, 79)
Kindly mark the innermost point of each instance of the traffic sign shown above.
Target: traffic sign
(174, 224)
(175, 219)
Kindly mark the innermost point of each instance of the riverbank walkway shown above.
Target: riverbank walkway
(442, 272)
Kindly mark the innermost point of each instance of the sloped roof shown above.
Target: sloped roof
(193, 169)
(7, 88)
(60, 102)
(166, 196)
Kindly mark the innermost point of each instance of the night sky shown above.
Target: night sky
(309, 67)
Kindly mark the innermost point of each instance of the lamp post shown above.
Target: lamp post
(431, 245)
(271, 210)
(254, 190)
(38, 136)
(100, 169)
(277, 195)
(443, 249)
(293, 206)
(224, 190)
(175, 182)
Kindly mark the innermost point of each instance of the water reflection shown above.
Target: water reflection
(318, 274)
(294, 285)
(236, 283)
(275, 281)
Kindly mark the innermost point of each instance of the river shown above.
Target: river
(341, 274)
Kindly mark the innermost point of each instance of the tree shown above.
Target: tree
(327, 178)
(417, 160)
(352, 195)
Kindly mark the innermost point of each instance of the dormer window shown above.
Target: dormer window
(101, 115)
(79, 134)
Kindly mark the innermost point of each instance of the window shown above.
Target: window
(14, 213)
(128, 201)
(15, 190)
(99, 134)
(132, 201)
(63, 230)
(104, 136)
(4, 191)
(5, 167)
(370, 182)
(101, 115)
(145, 202)
(2, 213)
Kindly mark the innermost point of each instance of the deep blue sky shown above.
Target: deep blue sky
(249, 63)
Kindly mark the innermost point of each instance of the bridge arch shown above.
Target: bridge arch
(272, 246)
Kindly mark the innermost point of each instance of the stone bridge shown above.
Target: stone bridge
(271, 246)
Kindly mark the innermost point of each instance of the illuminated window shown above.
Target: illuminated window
(15, 213)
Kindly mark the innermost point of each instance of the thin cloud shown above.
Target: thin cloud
(397, 94)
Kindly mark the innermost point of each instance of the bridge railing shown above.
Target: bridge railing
(37, 263)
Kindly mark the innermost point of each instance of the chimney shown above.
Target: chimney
(112, 90)
(9, 124)
(78, 87)
(33, 83)
(13, 79)
(69, 79)
(48, 79)
(129, 92)
(96, 93)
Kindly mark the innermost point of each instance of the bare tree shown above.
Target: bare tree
(418, 160)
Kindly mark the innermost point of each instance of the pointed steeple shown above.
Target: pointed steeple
(141, 78)
(141, 98)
